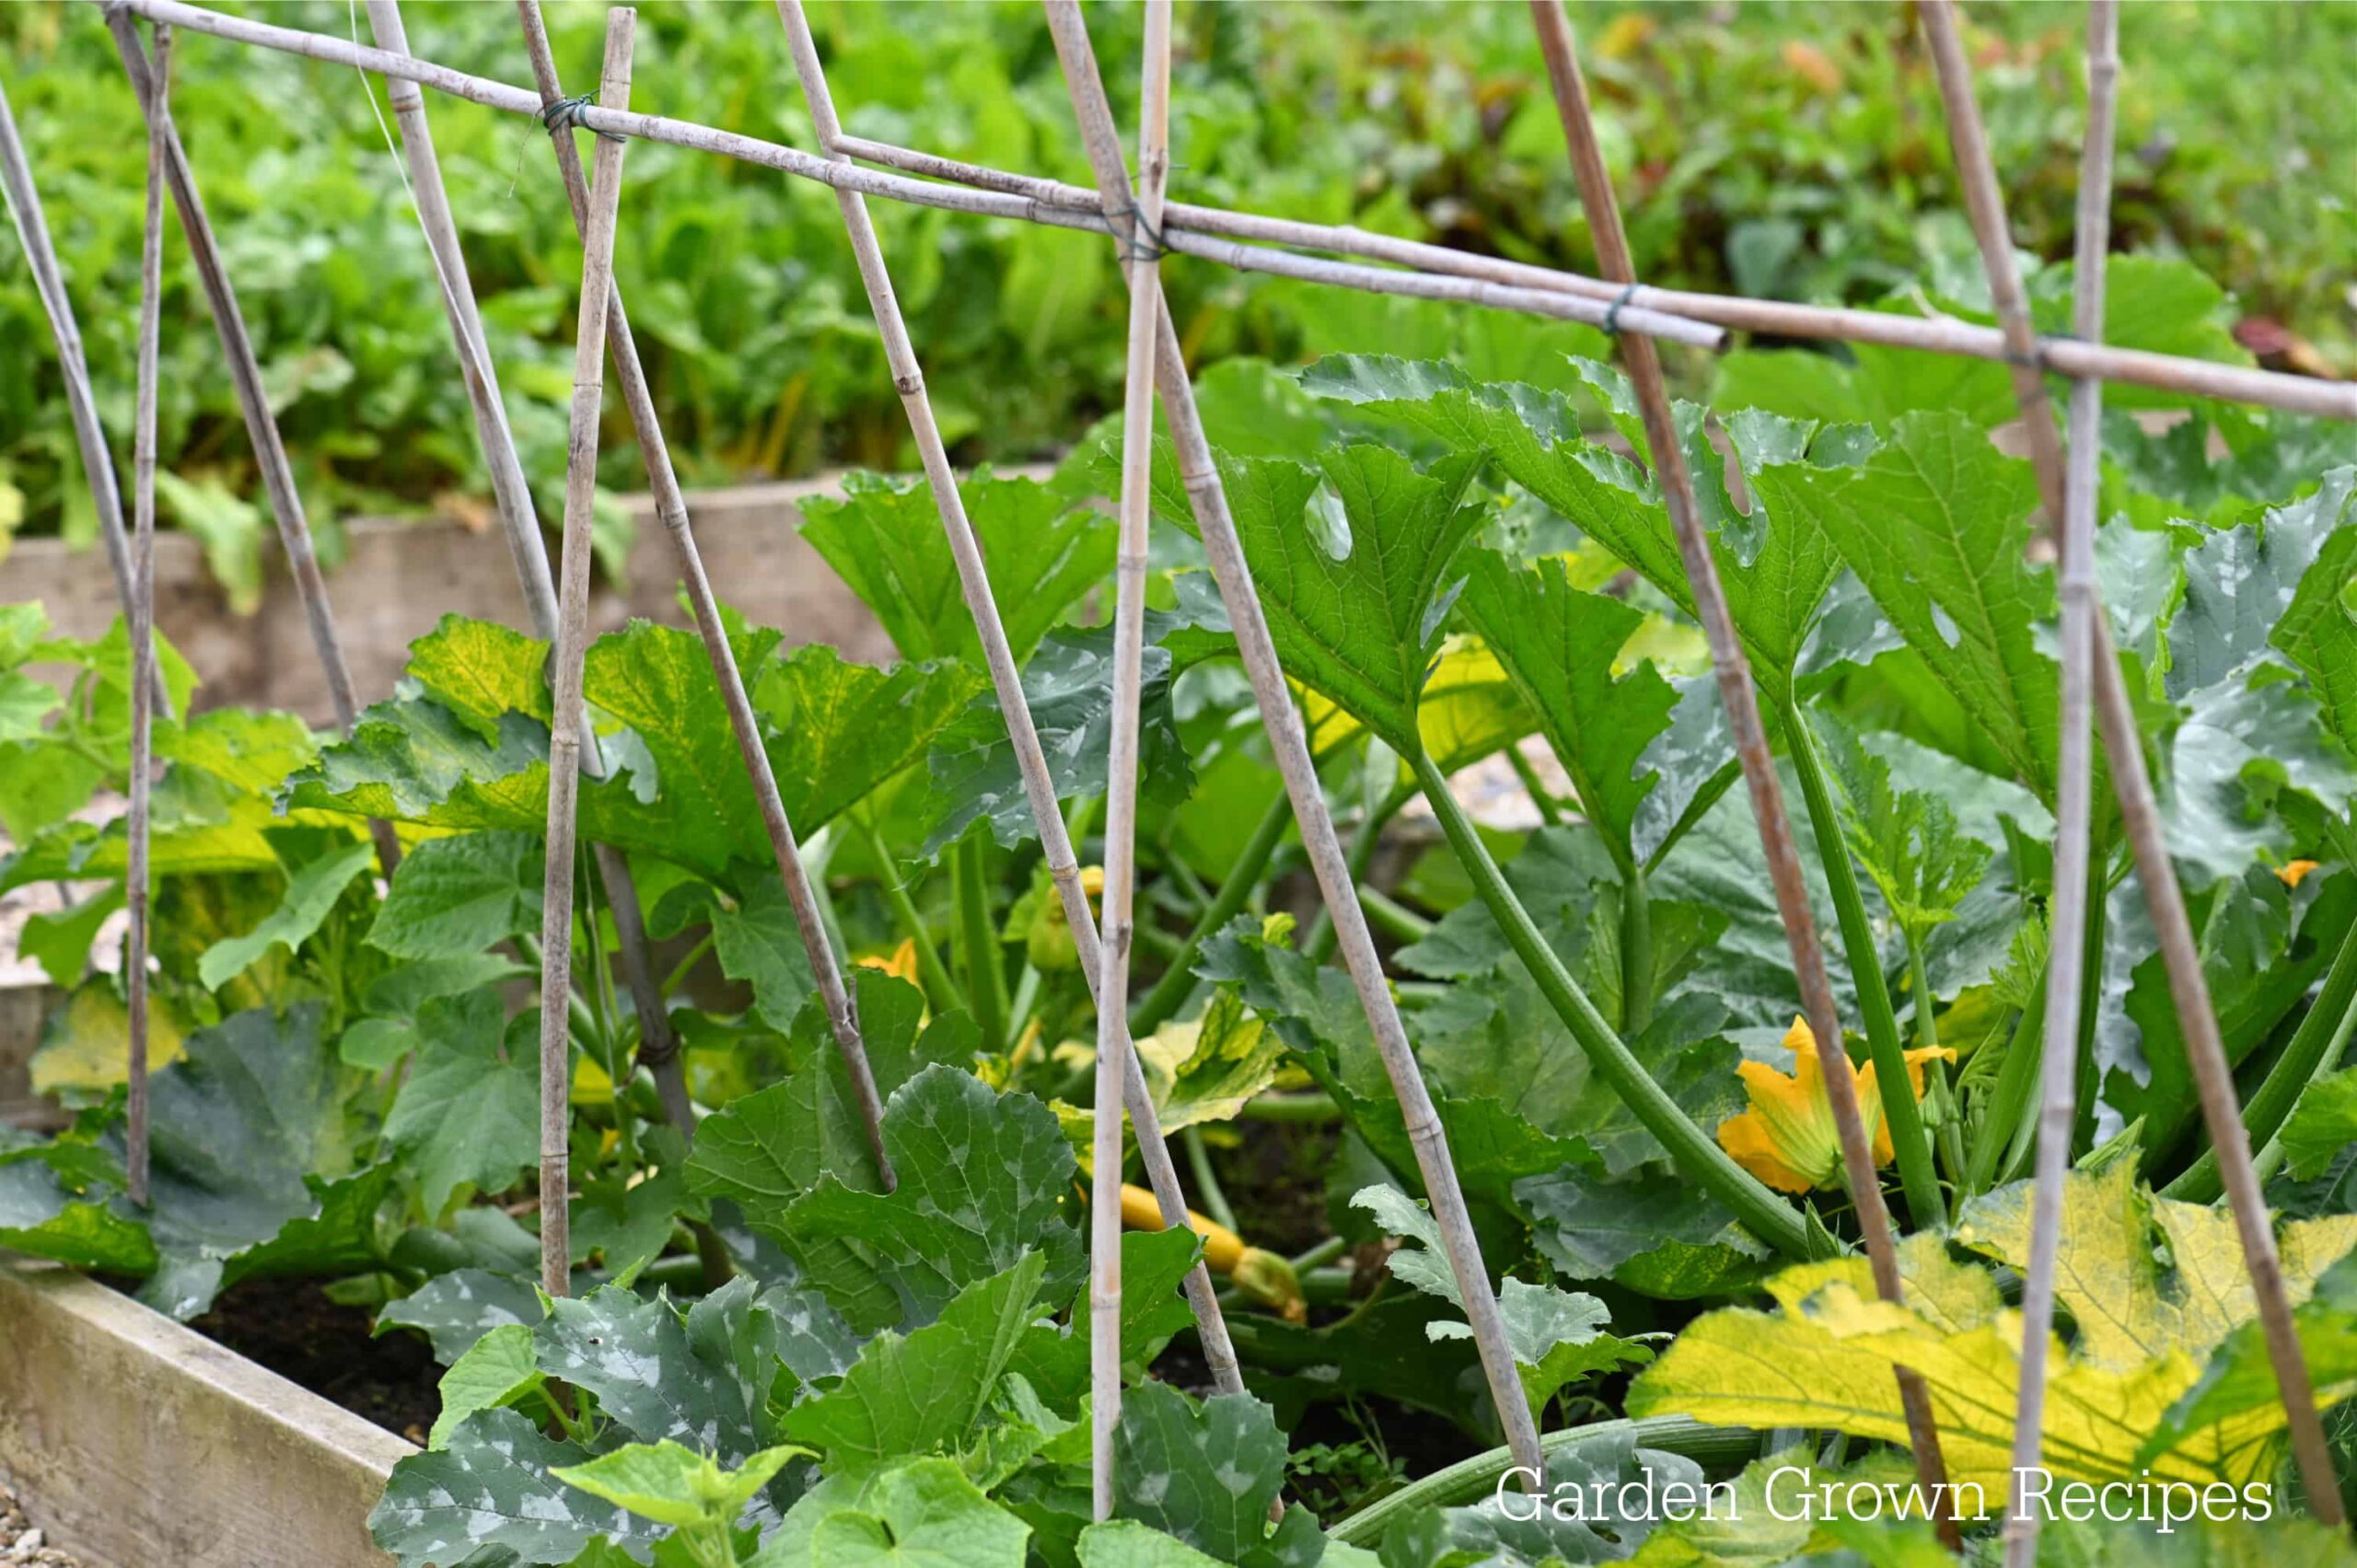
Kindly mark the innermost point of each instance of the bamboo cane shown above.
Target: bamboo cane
(2295, 394)
(519, 522)
(1143, 265)
(572, 639)
(142, 631)
(1286, 741)
(2067, 912)
(81, 403)
(253, 401)
(2124, 750)
(671, 510)
(1006, 682)
(1188, 226)
(1742, 701)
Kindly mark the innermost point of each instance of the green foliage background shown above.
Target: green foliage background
(1788, 151)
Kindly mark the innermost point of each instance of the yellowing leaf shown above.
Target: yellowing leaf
(87, 1043)
(1469, 709)
(1826, 1356)
(2128, 1307)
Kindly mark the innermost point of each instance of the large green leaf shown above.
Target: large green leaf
(1936, 523)
(767, 1149)
(1205, 1473)
(1646, 1231)
(1560, 646)
(488, 1496)
(235, 1129)
(984, 1178)
(496, 1370)
(457, 1310)
(312, 891)
(481, 671)
(1349, 564)
(2322, 1125)
(2316, 630)
(1053, 1358)
(1775, 570)
(470, 1113)
(925, 1392)
(1069, 689)
(652, 1372)
(841, 729)
(456, 896)
(885, 540)
(923, 1513)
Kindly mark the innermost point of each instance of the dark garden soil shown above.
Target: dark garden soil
(291, 1327)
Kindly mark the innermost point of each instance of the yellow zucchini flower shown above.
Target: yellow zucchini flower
(2293, 872)
(1787, 1139)
(902, 965)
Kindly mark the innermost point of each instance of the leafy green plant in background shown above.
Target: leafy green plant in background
(770, 1360)
(1775, 156)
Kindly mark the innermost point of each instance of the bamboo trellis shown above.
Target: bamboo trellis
(1138, 218)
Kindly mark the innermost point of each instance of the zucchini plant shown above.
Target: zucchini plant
(769, 1358)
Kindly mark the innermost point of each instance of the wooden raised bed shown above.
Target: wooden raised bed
(137, 1442)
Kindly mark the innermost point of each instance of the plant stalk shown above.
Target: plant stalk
(1735, 690)
(565, 724)
(2311, 1052)
(1177, 982)
(142, 627)
(1216, 526)
(2005, 1127)
(1638, 978)
(985, 979)
(938, 984)
(253, 398)
(1039, 786)
(1917, 1175)
(1318, 945)
(1693, 1151)
(2131, 781)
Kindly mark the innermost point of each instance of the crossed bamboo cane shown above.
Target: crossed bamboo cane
(2084, 633)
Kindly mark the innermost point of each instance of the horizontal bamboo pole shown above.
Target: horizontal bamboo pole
(1183, 222)
(1017, 197)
